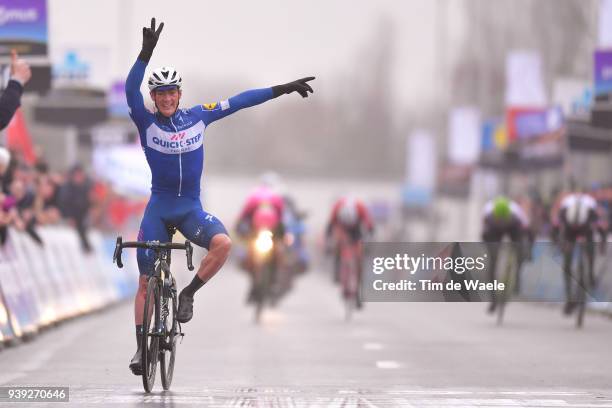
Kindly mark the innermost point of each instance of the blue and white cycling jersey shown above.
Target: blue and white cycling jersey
(174, 146)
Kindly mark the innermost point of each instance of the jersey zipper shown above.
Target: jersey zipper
(180, 162)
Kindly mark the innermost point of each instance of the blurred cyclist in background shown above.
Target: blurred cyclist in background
(577, 216)
(295, 231)
(263, 209)
(172, 141)
(348, 223)
(503, 217)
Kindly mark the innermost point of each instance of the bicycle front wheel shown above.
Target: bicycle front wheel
(168, 352)
(509, 264)
(150, 328)
(581, 288)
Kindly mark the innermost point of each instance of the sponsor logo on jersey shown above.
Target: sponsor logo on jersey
(209, 106)
(185, 141)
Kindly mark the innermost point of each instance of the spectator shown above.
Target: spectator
(35, 195)
(46, 203)
(22, 214)
(11, 97)
(74, 203)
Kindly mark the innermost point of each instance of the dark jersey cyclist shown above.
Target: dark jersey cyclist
(172, 140)
(577, 216)
(501, 218)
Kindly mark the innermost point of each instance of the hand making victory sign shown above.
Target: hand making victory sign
(149, 40)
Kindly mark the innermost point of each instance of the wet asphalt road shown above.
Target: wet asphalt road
(305, 354)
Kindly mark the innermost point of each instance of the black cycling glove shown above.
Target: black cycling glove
(300, 86)
(149, 40)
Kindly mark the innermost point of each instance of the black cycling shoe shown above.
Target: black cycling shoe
(492, 307)
(185, 309)
(136, 363)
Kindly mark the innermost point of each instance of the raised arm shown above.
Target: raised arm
(11, 97)
(215, 111)
(134, 80)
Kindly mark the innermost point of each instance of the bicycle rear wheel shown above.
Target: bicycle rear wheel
(509, 274)
(349, 286)
(167, 353)
(262, 289)
(581, 288)
(150, 328)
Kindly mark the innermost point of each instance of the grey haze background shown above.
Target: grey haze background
(383, 68)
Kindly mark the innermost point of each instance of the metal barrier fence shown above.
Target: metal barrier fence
(43, 285)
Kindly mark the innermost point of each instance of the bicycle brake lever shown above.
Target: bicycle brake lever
(117, 253)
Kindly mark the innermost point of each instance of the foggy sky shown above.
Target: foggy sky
(261, 43)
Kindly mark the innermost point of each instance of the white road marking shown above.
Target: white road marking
(387, 364)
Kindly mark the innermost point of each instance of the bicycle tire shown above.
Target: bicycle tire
(349, 286)
(581, 288)
(168, 357)
(150, 344)
(510, 268)
(262, 288)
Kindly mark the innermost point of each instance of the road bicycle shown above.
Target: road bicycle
(160, 329)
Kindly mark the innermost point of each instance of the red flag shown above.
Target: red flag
(18, 138)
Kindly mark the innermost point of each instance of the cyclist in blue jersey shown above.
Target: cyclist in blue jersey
(172, 142)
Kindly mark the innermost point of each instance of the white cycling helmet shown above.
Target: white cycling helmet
(165, 77)
(5, 157)
(348, 214)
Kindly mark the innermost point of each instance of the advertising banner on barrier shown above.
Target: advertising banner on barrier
(18, 300)
(23, 26)
(602, 74)
(6, 329)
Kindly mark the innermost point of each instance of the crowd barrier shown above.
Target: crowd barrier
(542, 277)
(43, 285)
